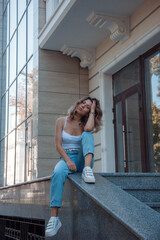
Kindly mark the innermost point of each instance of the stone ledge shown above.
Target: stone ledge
(136, 216)
(27, 182)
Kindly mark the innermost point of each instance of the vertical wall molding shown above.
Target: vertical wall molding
(107, 133)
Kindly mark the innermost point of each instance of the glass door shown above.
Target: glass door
(132, 131)
(137, 114)
(128, 131)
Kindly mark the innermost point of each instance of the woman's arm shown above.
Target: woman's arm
(90, 124)
(58, 144)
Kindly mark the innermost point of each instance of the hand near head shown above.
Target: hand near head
(93, 107)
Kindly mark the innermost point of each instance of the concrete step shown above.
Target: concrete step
(145, 195)
(143, 186)
(154, 205)
(134, 180)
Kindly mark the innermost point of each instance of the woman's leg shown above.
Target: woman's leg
(58, 179)
(86, 154)
(54, 211)
(88, 160)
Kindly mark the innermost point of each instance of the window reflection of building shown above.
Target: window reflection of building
(4, 112)
(22, 43)
(12, 106)
(20, 153)
(13, 57)
(29, 162)
(30, 87)
(30, 30)
(21, 96)
(152, 81)
(11, 158)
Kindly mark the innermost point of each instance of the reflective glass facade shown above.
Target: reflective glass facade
(16, 89)
(152, 83)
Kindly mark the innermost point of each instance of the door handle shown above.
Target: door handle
(124, 146)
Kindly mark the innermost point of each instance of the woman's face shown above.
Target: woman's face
(84, 107)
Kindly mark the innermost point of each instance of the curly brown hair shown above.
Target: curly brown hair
(98, 113)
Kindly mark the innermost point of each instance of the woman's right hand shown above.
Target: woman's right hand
(71, 165)
(93, 107)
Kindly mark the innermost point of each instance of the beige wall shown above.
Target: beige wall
(61, 83)
(143, 22)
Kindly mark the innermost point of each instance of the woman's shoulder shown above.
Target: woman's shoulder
(61, 120)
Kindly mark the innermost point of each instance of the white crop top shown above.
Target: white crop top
(70, 141)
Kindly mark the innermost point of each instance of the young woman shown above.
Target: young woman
(75, 144)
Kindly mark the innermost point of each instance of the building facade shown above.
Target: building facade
(54, 52)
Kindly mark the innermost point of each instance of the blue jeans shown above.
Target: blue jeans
(61, 170)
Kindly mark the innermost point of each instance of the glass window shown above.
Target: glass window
(20, 153)
(11, 158)
(2, 161)
(5, 159)
(30, 29)
(21, 8)
(22, 43)
(5, 71)
(21, 96)
(17, 88)
(12, 106)
(30, 87)
(6, 28)
(7, 67)
(4, 115)
(13, 16)
(29, 162)
(126, 78)
(6, 112)
(4, 4)
(152, 82)
(13, 55)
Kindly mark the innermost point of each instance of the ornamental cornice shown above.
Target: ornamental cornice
(86, 57)
(117, 25)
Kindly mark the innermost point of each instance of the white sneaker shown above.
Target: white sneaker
(87, 175)
(53, 226)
